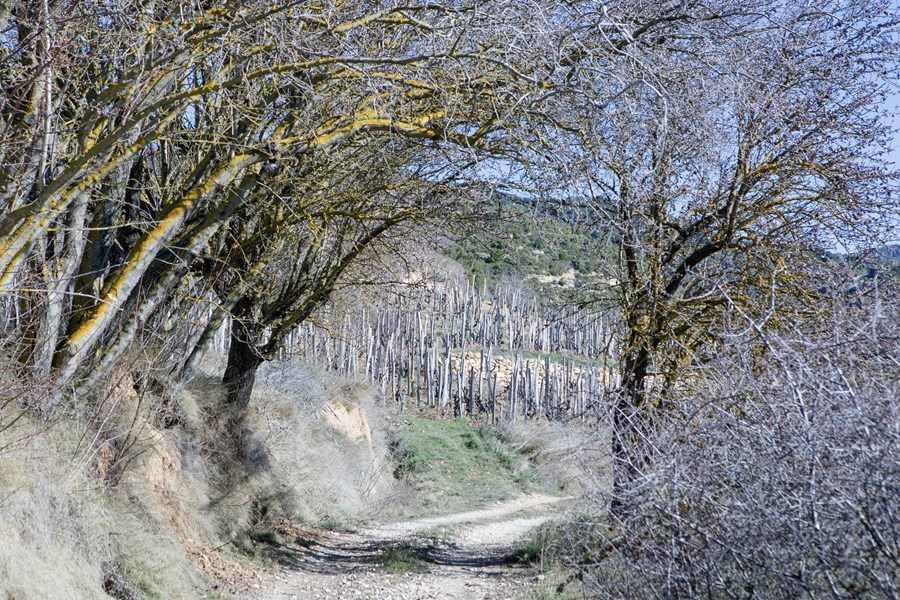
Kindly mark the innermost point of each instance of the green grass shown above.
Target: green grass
(262, 535)
(529, 552)
(335, 524)
(539, 548)
(555, 357)
(540, 552)
(404, 557)
(454, 465)
(439, 533)
(555, 586)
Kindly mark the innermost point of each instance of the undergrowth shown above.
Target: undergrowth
(120, 502)
(405, 557)
(453, 465)
(541, 551)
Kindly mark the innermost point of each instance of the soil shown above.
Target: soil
(468, 558)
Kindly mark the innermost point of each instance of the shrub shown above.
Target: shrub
(780, 478)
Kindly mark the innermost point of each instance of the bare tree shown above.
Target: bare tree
(274, 275)
(724, 146)
(173, 117)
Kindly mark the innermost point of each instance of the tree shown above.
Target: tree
(126, 82)
(725, 146)
(270, 284)
(174, 119)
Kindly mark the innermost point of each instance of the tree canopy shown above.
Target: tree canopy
(174, 154)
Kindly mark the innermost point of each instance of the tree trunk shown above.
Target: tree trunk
(630, 427)
(57, 313)
(243, 361)
(206, 340)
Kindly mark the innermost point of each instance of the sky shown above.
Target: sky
(893, 105)
(893, 100)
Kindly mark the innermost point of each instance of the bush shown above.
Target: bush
(780, 479)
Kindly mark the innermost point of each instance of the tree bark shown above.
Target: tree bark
(57, 313)
(84, 335)
(243, 361)
(630, 428)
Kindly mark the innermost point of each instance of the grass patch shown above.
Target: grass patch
(530, 552)
(556, 585)
(335, 524)
(405, 557)
(453, 465)
(555, 357)
(439, 533)
(264, 536)
(540, 549)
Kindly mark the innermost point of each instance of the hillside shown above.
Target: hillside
(513, 240)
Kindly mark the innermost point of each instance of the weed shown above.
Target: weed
(335, 524)
(437, 533)
(405, 557)
(469, 441)
(528, 552)
(264, 536)
(454, 465)
(553, 587)
(539, 548)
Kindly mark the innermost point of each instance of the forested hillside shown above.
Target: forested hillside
(259, 261)
(517, 240)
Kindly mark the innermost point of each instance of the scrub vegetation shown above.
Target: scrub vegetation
(223, 325)
(453, 466)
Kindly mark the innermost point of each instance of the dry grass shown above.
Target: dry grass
(279, 471)
(61, 532)
(137, 498)
(141, 500)
(567, 456)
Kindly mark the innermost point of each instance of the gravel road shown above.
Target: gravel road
(467, 563)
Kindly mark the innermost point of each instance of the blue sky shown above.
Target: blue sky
(893, 101)
(893, 105)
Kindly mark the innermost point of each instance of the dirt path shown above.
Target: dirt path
(468, 562)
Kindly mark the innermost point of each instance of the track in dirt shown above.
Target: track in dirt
(470, 563)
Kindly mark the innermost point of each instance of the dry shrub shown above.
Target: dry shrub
(63, 535)
(777, 475)
(303, 416)
(51, 537)
(132, 495)
(567, 455)
(259, 466)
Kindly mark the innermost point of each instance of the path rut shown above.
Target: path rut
(470, 564)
